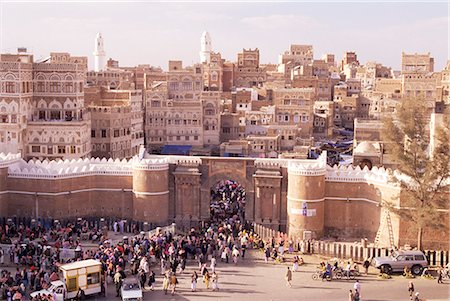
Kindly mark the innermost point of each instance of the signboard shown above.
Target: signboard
(311, 212)
(304, 212)
(296, 211)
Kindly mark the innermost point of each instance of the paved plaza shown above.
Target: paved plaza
(252, 279)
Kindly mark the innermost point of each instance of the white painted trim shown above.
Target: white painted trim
(123, 173)
(64, 192)
(156, 167)
(412, 208)
(306, 201)
(307, 172)
(83, 190)
(353, 199)
(333, 199)
(359, 181)
(151, 193)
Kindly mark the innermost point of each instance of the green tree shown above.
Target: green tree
(424, 179)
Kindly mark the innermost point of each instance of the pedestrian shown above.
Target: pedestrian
(288, 277)
(17, 296)
(348, 269)
(151, 280)
(163, 266)
(206, 280)
(411, 289)
(194, 278)
(295, 264)
(213, 264)
(118, 282)
(416, 297)
(439, 274)
(357, 287)
(357, 296)
(266, 255)
(235, 254)
(173, 283)
(2, 256)
(215, 281)
(351, 296)
(142, 278)
(165, 283)
(366, 265)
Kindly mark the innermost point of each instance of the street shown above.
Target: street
(252, 278)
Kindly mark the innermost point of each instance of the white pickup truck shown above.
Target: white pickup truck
(57, 289)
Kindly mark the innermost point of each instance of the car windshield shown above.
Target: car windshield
(130, 286)
(394, 255)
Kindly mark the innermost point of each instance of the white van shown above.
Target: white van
(82, 275)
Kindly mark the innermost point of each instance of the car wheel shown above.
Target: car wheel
(386, 268)
(416, 270)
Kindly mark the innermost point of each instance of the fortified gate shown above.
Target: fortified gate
(283, 194)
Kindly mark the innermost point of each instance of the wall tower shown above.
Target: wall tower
(305, 199)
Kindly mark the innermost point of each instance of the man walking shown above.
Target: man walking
(267, 255)
(357, 288)
(411, 289)
(118, 282)
(173, 283)
(288, 277)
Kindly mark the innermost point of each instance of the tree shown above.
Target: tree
(423, 177)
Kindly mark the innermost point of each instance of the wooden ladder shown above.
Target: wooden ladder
(390, 231)
(385, 221)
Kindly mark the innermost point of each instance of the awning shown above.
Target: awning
(176, 150)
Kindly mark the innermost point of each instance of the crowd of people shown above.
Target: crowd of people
(227, 201)
(38, 251)
(169, 253)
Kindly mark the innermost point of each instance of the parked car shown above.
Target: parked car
(415, 260)
(131, 289)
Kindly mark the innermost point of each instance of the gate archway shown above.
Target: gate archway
(227, 202)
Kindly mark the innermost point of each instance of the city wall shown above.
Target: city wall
(300, 197)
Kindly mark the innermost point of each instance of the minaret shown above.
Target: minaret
(205, 46)
(99, 54)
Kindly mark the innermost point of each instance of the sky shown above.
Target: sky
(145, 32)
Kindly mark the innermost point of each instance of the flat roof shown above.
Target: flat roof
(80, 264)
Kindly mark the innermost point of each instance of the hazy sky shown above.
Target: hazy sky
(153, 33)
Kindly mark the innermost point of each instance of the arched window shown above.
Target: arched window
(10, 84)
(209, 110)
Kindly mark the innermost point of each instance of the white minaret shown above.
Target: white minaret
(99, 54)
(205, 46)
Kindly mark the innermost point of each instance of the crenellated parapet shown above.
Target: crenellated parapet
(184, 161)
(269, 163)
(9, 159)
(351, 174)
(316, 167)
(156, 163)
(35, 169)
